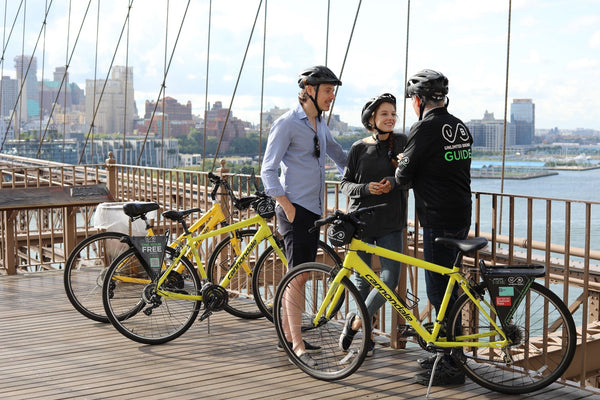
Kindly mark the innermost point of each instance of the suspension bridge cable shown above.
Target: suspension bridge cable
(327, 31)
(262, 89)
(406, 66)
(126, 88)
(345, 57)
(95, 80)
(105, 80)
(42, 85)
(2, 61)
(19, 95)
(66, 84)
(164, 80)
(236, 85)
(4, 46)
(64, 76)
(505, 116)
(206, 86)
(23, 81)
(162, 127)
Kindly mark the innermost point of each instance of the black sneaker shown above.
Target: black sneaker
(348, 333)
(309, 348)
(426, 363)
(445, 375)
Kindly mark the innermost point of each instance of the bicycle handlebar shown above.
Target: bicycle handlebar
(239, 203)
(352, 217)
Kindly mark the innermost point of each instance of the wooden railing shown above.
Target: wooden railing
(558, 233)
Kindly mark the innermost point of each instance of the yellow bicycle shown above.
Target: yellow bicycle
(154, 303)
(88, 262)
(508, 332)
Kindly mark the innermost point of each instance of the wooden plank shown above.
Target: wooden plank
(50, 351)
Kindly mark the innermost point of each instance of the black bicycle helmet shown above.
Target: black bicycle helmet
(370, 107)
(317, 75)
(427, 84)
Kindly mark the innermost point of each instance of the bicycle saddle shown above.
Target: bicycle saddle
(464, 245)
(179, 215)
(136, 209)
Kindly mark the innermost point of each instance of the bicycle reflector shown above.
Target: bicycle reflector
(340, 232)
(265, 207)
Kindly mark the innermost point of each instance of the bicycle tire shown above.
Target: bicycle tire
(84, 272)
(241, 301)
(538, 313)
(332, 362)
(269, 271)
(134, 308)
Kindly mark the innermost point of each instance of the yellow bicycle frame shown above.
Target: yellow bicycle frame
(264, 232)
(353, 262)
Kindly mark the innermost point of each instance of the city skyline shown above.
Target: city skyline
(554, 52)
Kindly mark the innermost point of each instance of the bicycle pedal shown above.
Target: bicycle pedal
(205, 315)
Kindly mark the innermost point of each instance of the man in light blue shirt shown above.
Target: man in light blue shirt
(298, 143)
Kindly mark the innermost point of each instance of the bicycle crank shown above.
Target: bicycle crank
(215, 298)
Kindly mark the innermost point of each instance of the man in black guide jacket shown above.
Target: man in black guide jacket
(436, 164)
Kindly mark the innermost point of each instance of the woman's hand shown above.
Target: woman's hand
(381, 187)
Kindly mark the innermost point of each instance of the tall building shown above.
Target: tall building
(177, 117)
(522, 117)
(112, 102)
(488, 133)
(26, 69)
(10, 91)
(215, 120)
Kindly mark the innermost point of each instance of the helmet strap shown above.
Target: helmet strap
(421, 107)
(314, 100)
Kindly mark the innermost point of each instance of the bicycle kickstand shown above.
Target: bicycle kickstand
(438, 357)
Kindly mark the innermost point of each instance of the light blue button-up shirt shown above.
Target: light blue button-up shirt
(291, 146)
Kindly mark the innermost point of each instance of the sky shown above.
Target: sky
(554, 52)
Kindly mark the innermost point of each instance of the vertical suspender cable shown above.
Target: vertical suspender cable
(164, 80)
(41, 105)
(20, 94)
(126, 86)
(23, 80)
(105, 80)
(345, 57)
(506, 96)
(4, 45)
(2, 59)
(162, 128)
(92, 127)
(236, 85)
(327, 32)
(66, 85)
(505, 116)
(262, 90)
(206, 87)
(406, 66)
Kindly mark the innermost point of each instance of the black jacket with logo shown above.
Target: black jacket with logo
(436, 163)
(369, 161)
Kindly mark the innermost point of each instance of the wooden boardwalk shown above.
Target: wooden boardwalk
(49, 351)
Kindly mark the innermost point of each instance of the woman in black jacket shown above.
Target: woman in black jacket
(369, 180)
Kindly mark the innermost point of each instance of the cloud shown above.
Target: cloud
(594, 41)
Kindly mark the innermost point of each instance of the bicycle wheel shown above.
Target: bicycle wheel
(134, 308)
(269, 271)
(84, 272)
(544, 337)
(298, 297)
(241, 298)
